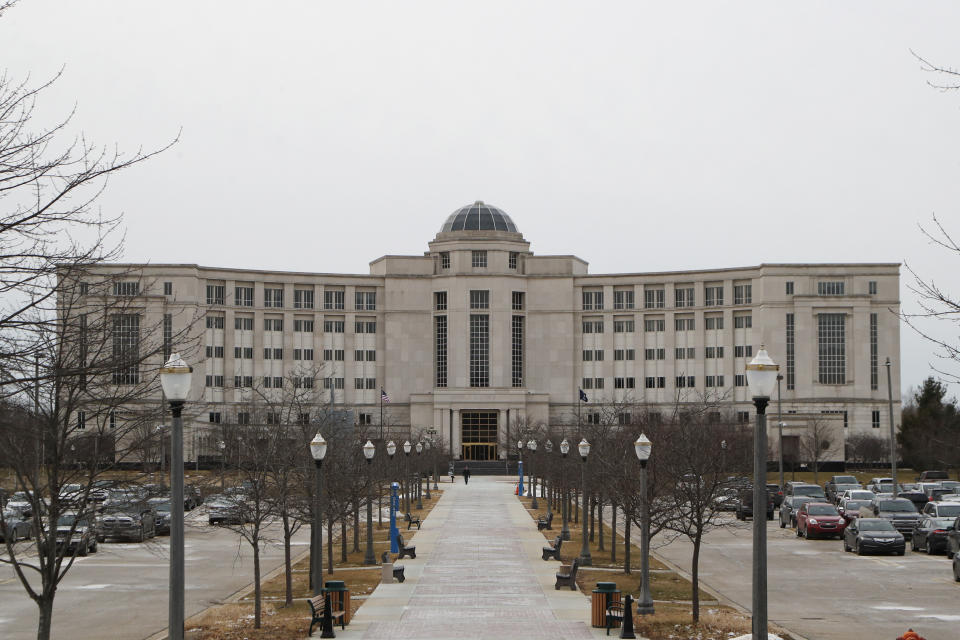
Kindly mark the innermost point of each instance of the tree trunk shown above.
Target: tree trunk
(613, 533)
(592, 503)
(695, 578)
(329, 545)
(576, 507)
(379, 507)
(627, 520)
(46, 617)
(356, 526)
(257, 589)
(287, 564)
(343, 540)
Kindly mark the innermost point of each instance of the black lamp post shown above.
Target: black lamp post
(419, 466)
(761, 378)
(223, 461)
(175, 380)
(368, 450)
(532, 445)
(406, 479)
(318, 450)
(643, 447)
(426, 486)
(586, 560)
(565, 504)
(548, 448)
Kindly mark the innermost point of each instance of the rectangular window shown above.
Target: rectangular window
(214, 352)
(683, 324)
(303, 298)
(686, 382)
(333, 299)
(623, 326)
(243, 353)
(512, 260)
(517, 300)
(789, 287)
(215, 417)
(743, 351)
(875, 419)
(214, 381)
(478, 259)
(713, 322)
(830, 288)
(365, 419)
(831, 348)
(444, 259)
(81, 420)
(303, 354)
(592, 300)
(365, 326)
(333, 383)
(872, 287)
(243, 296)
(216, 293)
(623, 299)
(273, 297)
(479, 350)
(440, 347)
(713, 296)
(654, 354)
(791, 361)
(126, 348)
(714, 381)
(243, 324)
(479, 299)
(713, 352)
(440, 300)
(742, 322)
(243, 382)
(688, 353)
(365, 300)
(624, 354)
(273, 382)
(126, 288)
(517, 351)
(740, 380)
(303, 326)
(654, 324)
(684, 297)
(742, 294)
(215, 321)
(333, 354)
(653, 298)
(167, 335)
(167, 289)
(273, 324)
(652, 382)
(593, 326)
(874, 376)
(587, 355)
(743, 417)
(333, 326)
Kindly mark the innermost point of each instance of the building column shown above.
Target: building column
(503, 421)
(455, 441)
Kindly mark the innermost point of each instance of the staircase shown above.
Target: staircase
(487, 467)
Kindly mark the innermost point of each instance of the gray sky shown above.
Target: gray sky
(640, 136)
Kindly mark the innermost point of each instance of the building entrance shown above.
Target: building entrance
(478, 435)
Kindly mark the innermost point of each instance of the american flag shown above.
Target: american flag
(383, 396)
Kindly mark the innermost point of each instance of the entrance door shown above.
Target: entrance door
(478, 435)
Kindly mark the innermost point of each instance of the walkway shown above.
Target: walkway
(478, 574)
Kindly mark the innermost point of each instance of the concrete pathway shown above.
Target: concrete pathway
(478, 574)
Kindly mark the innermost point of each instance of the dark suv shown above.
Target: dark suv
(804, 489)
(745, 504)
(899, 511)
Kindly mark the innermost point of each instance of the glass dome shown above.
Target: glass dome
(479, 217)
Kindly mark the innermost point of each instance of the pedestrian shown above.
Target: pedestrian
(910, 635)
(466, 474)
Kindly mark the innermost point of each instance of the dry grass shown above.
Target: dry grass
(235, 622)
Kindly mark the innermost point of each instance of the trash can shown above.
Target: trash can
(339, 597)
(600, 599)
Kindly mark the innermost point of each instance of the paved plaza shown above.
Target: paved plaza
(478, 574)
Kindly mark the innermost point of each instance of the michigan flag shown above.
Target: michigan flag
(583, 396)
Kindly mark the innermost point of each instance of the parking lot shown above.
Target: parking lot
(121, 591)
(822, 593)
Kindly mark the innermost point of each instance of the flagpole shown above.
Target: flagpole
(381, 413)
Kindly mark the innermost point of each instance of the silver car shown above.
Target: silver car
(132, 521)
(14, 522)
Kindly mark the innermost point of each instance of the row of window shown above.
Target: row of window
(655, 297)
(660, 382)
(299, 326)
(478, 259)
(270, 353)
(592, 325)
(299, 382)
(479, 299)
(273, 297)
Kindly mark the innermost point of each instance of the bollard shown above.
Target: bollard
(326, 627)
(386, 575)
(626, 629)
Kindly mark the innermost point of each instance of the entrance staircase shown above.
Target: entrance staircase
(487, 467)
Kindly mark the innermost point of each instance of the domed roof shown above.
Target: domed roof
(479, 217)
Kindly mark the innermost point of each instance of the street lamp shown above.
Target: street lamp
(175, 380)
(419, 495)
(532, 445)
(642, 447)
(222, 446)
(394, 532)
(520, 466)
(565, 505)
(426, 485)
(406, 480)
(548, 448)
(368, 450)
(318, 450)
(761, 378)
(585, 559)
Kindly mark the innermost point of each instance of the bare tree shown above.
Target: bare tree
(817, 443)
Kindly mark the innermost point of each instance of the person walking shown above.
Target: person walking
(466, 474)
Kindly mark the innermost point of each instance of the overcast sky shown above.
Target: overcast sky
(317, 136)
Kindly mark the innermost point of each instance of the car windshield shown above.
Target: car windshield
(846, 487)
(896, 505)
(845, 480)
(876, 525)
(121, 508)
(68, 519)
(952, 510)
(942, 523)
(855, 504)
(799, 500)
(821, 510)
(163, 506)
(861, 495)
(807, 490)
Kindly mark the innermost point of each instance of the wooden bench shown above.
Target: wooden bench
(317, 607)
(398, 569)
(545, 523)
(411, 520)
(568, 579)
(553, 551)
(405, 550)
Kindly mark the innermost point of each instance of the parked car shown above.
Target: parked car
(804, 489)
(193, 495)
(953, 539)
(917, 497)
(832, 487)
(162, 507)
(78, 533)
(882, 485)
(857, 494)
(788, 508)
(99, 491)
(834, 492)
(927, 476)
(930, 534)
(819, 519)
(941, 509)
(777, 492)
(226, 509)
(744, 506)
(726, 499)
(15, 525)
(134, 520)
(956, 567)
(864, 535)
(935, 493)
(899, 511)
(950, 484)
(850, 509)
(21, 500)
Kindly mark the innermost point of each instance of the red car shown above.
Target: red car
(819, 519)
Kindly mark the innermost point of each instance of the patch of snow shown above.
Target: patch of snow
(770, 636)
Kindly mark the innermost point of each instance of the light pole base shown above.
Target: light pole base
(586, 560)
(645, 609)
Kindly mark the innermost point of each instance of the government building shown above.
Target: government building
(480, 333)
